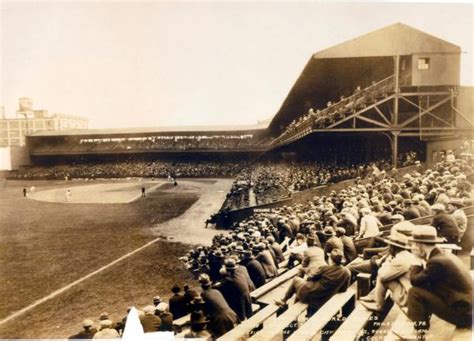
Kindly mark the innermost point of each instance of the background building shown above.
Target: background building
(13, 131)
(27, 121)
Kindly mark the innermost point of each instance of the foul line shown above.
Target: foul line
(69, 286)
(138, 196)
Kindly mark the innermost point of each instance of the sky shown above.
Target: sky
(149, 64)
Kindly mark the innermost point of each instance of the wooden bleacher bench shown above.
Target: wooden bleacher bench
(242, 331)
(257, 293)
(315, 324)
(274, 329)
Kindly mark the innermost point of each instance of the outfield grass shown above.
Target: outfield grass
(45, 246)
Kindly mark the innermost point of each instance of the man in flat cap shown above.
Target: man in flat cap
(221, 317)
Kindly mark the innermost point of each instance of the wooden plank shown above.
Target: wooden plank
(275, 294)
(182, 321)
(353, 325)
(242, 330)
(317, 322)
(274, 329)
(274, 283)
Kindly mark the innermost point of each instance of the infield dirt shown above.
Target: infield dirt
(45, 246)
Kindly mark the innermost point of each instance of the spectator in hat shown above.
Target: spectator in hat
(264, 257)
(177, 303)
(189, 295)
(332, 242)
(106, 331)
(442, 287)
(88, 331)
(350, 252)
(236, 291)
(198, 328)
(313, 258)
(393, 275)
(317, 290)
(156, 300)
(410, 212)
(445, 224)
(254, 268)
(150, 322)
(221, 317)
(297, 250)
(369, 229)
(162, 311)
(276, 249)
(455, 207)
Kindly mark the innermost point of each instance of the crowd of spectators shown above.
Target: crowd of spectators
(273, 181)
(132, 168)
(212, 142)
(341, 108)
(325, 235)
(331, 231)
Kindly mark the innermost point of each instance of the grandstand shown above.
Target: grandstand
(365, 125)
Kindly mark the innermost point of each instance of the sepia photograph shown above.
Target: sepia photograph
(236, 170)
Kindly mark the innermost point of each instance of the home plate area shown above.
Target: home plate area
(105, 193)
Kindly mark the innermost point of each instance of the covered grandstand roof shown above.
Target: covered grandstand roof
(391, 40)
(336, 71)
(153, 130)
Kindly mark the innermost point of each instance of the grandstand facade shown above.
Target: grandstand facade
(397, 86)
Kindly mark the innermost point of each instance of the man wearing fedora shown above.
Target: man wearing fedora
(393, 274)
(236, 291)
(221, 317)
(254, 268)
(445, 224)
(455, 207)
(198, 327)
(442, 287)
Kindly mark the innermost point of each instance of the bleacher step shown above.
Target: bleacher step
(316, 323)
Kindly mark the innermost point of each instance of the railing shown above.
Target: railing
(351, 103)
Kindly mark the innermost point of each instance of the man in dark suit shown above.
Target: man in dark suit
(236, 290)
(177, 303)
(445, 224)
(442, 287)
(254, 268)
(221, 317)
(264, 257)
(273, 245)
(350, 252)
(317, 290)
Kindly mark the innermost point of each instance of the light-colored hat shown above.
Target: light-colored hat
(425, 234)
(438, 207)
(365, 210)
(163, 306)
(87, 323)
(397, 239)
(397, 217)
(149, 309)
(105, 323)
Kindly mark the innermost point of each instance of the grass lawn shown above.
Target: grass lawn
(45, 246)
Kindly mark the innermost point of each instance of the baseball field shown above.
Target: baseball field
(102, 248)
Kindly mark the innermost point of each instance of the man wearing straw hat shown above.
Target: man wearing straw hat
(442, 287)
(393, 275)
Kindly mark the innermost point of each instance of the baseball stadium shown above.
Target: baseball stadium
(347, 216)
